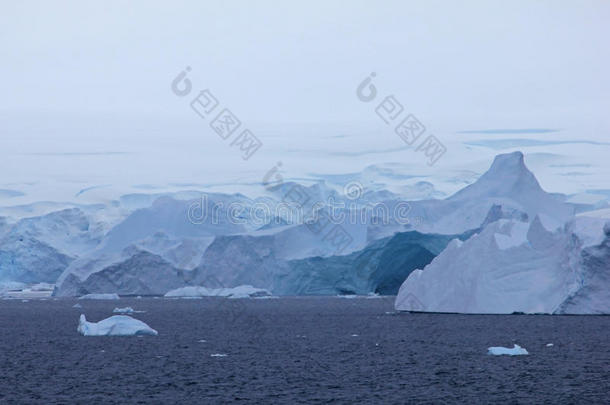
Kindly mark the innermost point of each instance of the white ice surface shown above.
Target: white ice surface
(126, 310)
(243, 291)
(117, 325)
(108, 296)
(513, 266)
(516, 350)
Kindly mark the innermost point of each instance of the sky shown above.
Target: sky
(86, 97)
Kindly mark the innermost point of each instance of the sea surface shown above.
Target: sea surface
(297, 350)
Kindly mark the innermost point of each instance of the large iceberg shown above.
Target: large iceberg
(532, 254)
(140, 273)
(379, 268)
(117, 325)
(152, 244)
(514, 266)
(39, 249)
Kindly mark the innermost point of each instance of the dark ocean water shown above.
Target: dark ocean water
(297, 350)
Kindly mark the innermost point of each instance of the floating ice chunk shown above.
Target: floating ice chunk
(549, 345)
(117, 325)
(126, 310)
(242, 291)
(42, 287)
(515, 351)
(77, 305)
(99, 297)
(247, 291)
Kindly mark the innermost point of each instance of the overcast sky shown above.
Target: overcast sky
(97, 70)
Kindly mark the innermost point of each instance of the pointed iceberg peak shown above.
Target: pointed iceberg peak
(507, 177)
(508, 163)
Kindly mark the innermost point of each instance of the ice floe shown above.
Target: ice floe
(117, 325)
(243, 291)
(126, 310)
(99, 297)
(499, 351)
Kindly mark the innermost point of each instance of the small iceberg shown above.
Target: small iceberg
(77, 305)
(112, 296)
(126, 310)
(242, 291)
(20, 290)
(499, 351)
(117, 325)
